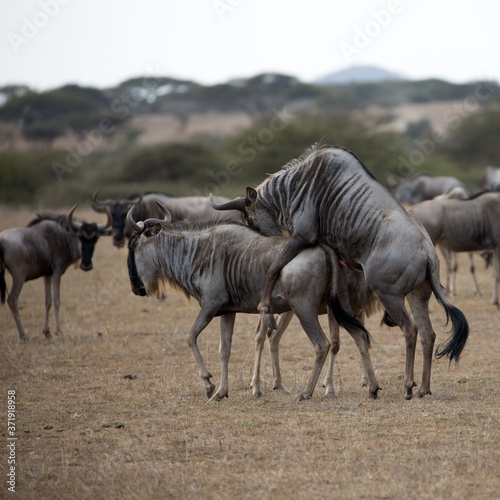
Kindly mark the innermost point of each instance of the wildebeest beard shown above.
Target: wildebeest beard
(138, 287)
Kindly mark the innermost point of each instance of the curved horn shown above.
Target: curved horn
(138, 227)
(132, 201)
(236, 204)
(74, 226)
(167, 216)
(102, 227)
(99, 206)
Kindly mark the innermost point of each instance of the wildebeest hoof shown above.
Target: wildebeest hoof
(374, 393)
(301, 397)
(24, 337)
(281, 388)
(257, 394)
(47, 333)
(424, 393)
(217, 397)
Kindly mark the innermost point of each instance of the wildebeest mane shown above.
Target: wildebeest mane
(316, 148)
(196, 226)
(477, 195)
(40, 217)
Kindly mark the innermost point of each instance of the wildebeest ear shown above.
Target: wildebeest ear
(251, 197)
(151, 231)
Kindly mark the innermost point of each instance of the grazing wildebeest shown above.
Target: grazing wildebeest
(491, 179)
(193, 208)
(329, 196)
(223, 266)
(466, 226)
(46, 247)
(362, 301)
(424, 187)
(426, 214)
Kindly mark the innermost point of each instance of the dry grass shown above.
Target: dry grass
(85, 431)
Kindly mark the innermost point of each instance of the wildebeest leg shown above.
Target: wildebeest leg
(274, 337)
(202, 320)
(395, 308)
(454, 270)
(447, 258)
(57, 301)
(472, 270)
(48, 304)
(311, 326)
(496, 267)
(334, 349)
(293, 247)
(226, 336)
(419, 303)
(17, 285)
(260, 337)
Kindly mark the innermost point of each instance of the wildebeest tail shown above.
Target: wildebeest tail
(339, 285)
(454, 346)
(3, 286)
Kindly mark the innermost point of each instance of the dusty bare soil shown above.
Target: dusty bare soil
(115, 408)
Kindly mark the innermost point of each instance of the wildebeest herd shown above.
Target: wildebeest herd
(321, 235)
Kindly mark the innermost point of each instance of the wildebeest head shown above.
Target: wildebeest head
(88, 233)
(118, 210)
(137, 259)
(255, 214)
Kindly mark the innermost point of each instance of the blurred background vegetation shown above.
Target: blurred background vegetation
(183, 138)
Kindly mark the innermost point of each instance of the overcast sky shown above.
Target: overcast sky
(48, 43)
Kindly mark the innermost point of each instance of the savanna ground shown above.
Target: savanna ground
(115, 408)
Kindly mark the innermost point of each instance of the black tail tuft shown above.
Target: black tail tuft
(345, 320)
(3, 286)
(454, 346)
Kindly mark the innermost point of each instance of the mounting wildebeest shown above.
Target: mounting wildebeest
(46, 247)
(193, 208)
(424, 187)
(329, 196)
(466, 226)
(223, 266)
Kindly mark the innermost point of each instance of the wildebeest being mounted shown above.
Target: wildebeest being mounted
(223, 266)
(329, 196)
(466, 226)
(193, 208)
(46, 247)
(424, 187)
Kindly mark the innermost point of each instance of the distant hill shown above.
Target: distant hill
(359, 74)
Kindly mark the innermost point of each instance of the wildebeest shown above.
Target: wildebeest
(466, 226)
(223, 267)
(362, 301)
(491, 179)
(424, 187)
(329, 196)
(427, 215)
(193, 208)
(46, 247)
